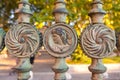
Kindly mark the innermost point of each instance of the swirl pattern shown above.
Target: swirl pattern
(22, 40)
(97, 41)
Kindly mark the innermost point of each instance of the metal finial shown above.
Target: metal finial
(60, 12)
(27, 1)
(97, 13)
(60, 7)
(60, 1)
(24, 7)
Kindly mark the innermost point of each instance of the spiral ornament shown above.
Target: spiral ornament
(97, 41)
(22, 40)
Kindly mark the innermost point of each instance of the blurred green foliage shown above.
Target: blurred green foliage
(78, 10)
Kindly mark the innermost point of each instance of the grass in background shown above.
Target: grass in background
(86, 60)
(111, 60)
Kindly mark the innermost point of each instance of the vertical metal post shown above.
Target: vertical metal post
(60, 12)
(23, 40)
(24, 11)
(23, 64)
(97, 40)
(60, 67)
(2, 37)
(60, 40)
(97, 14)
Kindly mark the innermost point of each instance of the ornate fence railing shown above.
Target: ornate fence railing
(60, 40)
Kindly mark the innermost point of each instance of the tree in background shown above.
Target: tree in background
(78, 11)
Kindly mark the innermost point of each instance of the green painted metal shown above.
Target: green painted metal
(60, 67)
(23, 40)
(97, 40)
(23, 68)
(24, 9)
(60, 40)
(2, 36)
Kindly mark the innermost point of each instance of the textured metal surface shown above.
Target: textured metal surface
(22, 40)
(60, 40)
(96, 13)
(60, 7)
(98, 41)
(2, 37)
(60, 12)
(24, 7)
(97, 68)
(118, 41)
(60, 67)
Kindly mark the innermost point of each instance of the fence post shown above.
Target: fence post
(60, 40)
(23, 40)
(97, 40)
(2, 37)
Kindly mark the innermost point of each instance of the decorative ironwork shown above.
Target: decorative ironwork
(22, 40)
(118, 41)
(2, 38)
(24, 7)
(98, 41)
(60, 12)
(23, 68)
(60, 7)
(60, 40)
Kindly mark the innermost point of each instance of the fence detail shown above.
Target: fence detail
(60, 40)
(23, 40)
(97, 40)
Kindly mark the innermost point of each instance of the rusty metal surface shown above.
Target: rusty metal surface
(2, 37)
(60, 40)
(97, 41)
(22, 40)
(118, 41)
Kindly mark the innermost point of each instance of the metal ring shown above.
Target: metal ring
(60, 40)
(97, 41)
(22, 40)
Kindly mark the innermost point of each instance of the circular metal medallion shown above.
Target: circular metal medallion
(97, 41)
(60, 40)
(22, 40)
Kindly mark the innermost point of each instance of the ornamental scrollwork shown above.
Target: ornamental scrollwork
(22, 40)
(97, 41)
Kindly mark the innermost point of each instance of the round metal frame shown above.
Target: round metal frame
(60, 40)
(22, 40)
(97, 41)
